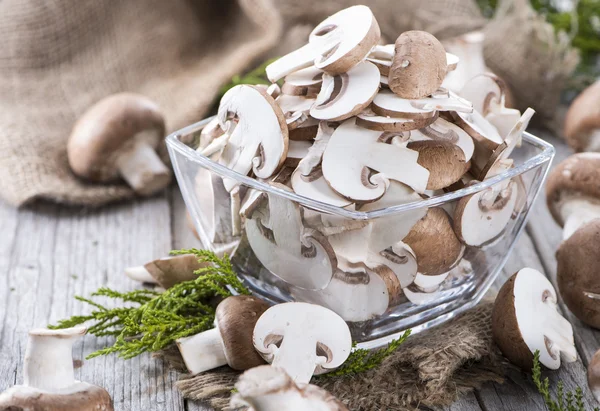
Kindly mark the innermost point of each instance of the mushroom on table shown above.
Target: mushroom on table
(167, 271)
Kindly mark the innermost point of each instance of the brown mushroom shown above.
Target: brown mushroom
(118, 136)
(167, 271)
(230, 342)
(419, 65)
(582, 123)
(577, 273)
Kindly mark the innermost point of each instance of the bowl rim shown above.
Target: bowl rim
(175, 145)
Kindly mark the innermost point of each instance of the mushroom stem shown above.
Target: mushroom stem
(140, 274)
(141, 167)
(297, 356)
(48, 363)
(577, 212)
(594, 141)
(203, 351)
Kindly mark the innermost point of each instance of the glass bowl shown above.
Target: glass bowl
(289, 247)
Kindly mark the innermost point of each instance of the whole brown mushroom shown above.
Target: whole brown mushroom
(578, 260)
(118, 137)
(582, 123)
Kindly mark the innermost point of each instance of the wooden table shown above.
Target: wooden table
(49, 253)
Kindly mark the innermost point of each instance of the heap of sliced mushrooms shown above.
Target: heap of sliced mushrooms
(363, 126)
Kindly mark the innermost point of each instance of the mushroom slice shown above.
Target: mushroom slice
(452, 61)
(307, 130)
(344, 95)
(210, 132)
(302, 339)
(370, 120)
(430, 283)
(336, 45)
(257, 146)
(297, 150)
(444, 160)
(443, 130)
(384, 81)
(351, 154)
(315, 187)
(266, 388)
(315, 153)
(355, 295)
(295, 109)
(49, 383)
(526, 319)
(480, 218)
(305, 82)
(482, 131)
(389, 104)
(298, 255)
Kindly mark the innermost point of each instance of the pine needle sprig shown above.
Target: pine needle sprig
(155, 320)
(361, 360)
(563, 402)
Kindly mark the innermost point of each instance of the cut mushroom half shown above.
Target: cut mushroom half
(347, 94)
(305, 82)
(525, 319)
(371, 121)
(298, 255)
(302, 339)
(353, 152)
(389, 104)
(336, 45)
(257, 146)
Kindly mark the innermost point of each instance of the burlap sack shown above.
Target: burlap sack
(430, 369)
(57, 59)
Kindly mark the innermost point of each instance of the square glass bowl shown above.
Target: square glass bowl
(289, 247)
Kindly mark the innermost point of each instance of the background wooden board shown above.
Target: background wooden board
(50, 253)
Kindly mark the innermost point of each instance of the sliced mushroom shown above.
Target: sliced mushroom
(419, 65)
(381, 56)
(525, 319)
(582, 122)
(297, 150)
(305, 82)
(577, 273)
(572, 192)
(452, 61)
(302, 339)
(118, 137)
(257, 146)
(444, 160)
(482, 131)
(295, 109)
(389, 104)
(347, 94)
(210, 132)
(443, 130)
(266, 388)
(481, 218)
(336, 45)
(594, 375)
(167, 271)
(307, 130)
(316, 188)
(434, 243)
(430, 283)
(49, 382)
(351, 154)
(315, 153)
(230, 342)
(298, 255)
(371, 121)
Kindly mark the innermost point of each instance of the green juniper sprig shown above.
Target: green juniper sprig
(155, 320)
(563, 402)
(361, 360)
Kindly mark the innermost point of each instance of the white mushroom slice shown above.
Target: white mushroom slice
(315, 152)
(305, 82)
(344, 95)
(295, 109)
(444, 130)
(298, 255)
(297, 150)
(418, 296)
(482, 131)
(211, 131)
(383, 66)
(303, 339)
(389, 104)
(336, 45)
(526, 319)
(257, 146)
(479, 220)
(316, 188)
(430, 283)
(355, 296)
(216, 209)
(384, 81)
(452, 61)
(382, 52)
(371, 121)
(353, 151)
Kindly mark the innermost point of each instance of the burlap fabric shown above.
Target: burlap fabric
(430, 369)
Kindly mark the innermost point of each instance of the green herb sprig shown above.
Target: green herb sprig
(361, 360)
(155, 320)
(563, 402)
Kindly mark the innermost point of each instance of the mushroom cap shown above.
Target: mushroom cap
(434, 243)
(81, 397)
(577, 273)
(578, 175)
(235, 318)
(583, 117)
(175, 269)
(444, 160)
(419, 65)
(108, 126)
